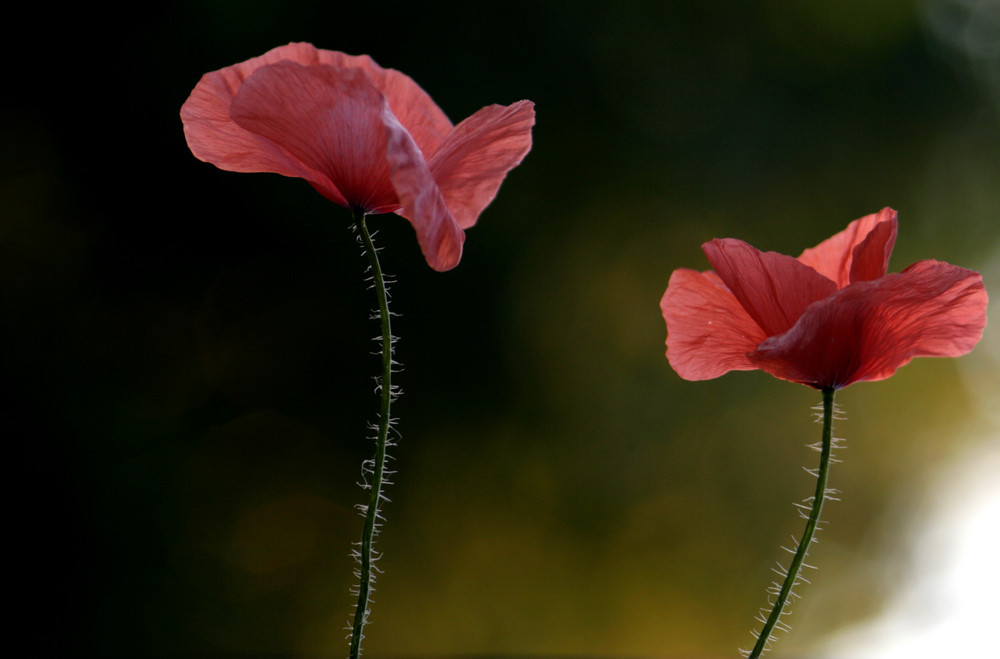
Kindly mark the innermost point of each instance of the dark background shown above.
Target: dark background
(188, 350)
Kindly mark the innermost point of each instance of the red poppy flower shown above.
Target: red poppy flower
(363, 136)
(827, 319)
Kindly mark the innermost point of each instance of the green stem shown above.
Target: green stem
(807, 536)
(378, 470)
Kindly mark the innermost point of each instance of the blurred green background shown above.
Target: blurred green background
(189, 350)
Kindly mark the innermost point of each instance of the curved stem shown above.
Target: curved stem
(807, 536)
(378, 468)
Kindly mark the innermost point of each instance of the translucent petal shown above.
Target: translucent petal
(476, 156)
(440, 237)
(834, 257)
(708, 331)
(214, 137)
(328, 119)
(773, 288)
(870, 329)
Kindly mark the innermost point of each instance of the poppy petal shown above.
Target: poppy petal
(773, 288)
(328, 119)
(870, 257)
(870, 329)
(476, 156)
(834, 258)
(410, 104)
(438, 233)
(214, 137)
(708, 331)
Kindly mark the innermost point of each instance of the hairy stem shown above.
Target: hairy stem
(791, 577)
(366, 554)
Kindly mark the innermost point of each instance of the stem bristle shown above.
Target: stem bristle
(809, 509)
(373, 471)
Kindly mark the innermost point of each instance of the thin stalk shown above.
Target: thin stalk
(791, 577)
(366, 554)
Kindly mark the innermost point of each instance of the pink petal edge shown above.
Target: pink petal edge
(476, 156)
(833, 258)
(708, 331)
(439, 235)
(215, 138)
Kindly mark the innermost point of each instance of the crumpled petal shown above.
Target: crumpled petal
(439, 235)
(410, 104)
(330, 120)
(475, 157)
(773, 288)
(858, 253)
(870, 258)
(869, 329)
(214, 137)
(413, 107)
(708, 331)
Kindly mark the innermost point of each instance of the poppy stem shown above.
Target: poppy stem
(374, 468)
(791, 576)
